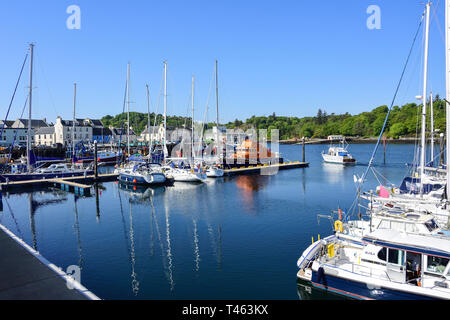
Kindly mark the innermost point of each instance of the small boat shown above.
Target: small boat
(386, 265)
(142, 173)
(184, 173)
(214, 172)
(55, 170)
(338, 154)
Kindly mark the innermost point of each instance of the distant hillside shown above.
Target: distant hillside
(403, 121)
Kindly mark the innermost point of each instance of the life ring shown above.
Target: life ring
(338, 226)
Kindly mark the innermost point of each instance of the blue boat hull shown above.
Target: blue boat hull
(136, 180)
(360, 290)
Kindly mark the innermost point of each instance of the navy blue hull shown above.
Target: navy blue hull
(126, 178)
(360, 290)
(27, 177)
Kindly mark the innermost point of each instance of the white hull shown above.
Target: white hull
(337, 159)
(214, 172)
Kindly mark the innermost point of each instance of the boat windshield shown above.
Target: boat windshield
(431, 225)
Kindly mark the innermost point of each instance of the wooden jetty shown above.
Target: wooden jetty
(26, 275)
(265, 169)
(79, 185)
(75, 184)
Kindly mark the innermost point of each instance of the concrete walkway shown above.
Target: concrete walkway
(26, 275)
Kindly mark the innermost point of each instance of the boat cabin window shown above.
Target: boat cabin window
(396, 256)
(382, 254)
(436, 264)
(431, 225)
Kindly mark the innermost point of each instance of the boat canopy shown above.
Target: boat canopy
(409, 242)
(412, 185)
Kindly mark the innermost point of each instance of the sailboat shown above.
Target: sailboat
(138, 171)
(186, 173)
(390, 261)
(61, 170)
(214, 170)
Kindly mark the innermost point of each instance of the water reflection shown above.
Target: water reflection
(129, 240)
(334, 172)
(77, 231)
(306, 291)
(248, 185)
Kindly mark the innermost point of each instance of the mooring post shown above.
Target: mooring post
(95, 160)
(303, 147)
(97, 201)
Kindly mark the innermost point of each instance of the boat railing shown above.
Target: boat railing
(337, 262)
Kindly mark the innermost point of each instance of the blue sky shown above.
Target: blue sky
(287, 57)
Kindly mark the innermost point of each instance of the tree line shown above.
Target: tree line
(404, 121)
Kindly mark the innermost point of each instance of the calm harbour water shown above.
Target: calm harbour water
(230, 238)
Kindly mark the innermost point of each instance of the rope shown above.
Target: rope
(14, 94)
(353, 206)
(392, 104)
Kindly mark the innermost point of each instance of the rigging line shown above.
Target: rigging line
(15, 134)
(14, 94)
(121, 123)
(392, 104)
(437, 21)
(205, 118)
(46, 81)
(159, 103)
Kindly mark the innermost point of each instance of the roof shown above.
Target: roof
(79, 123)
(45, 130)
(8, 123)
(116, 131)
(410, 242)
(152, 129)
(101, 132)
(34, 123)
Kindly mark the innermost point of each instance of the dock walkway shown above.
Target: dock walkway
(27, 275)
(267, 169)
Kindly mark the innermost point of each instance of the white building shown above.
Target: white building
(45, 136)
(17, 131)
(156, 134)
(64, 133)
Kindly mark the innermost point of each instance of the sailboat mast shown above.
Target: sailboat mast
(432, 128)
(29, 109)
(217, 97)
(148, 122)
(192, 122)
(424, 97)
(73, 122)
(128, 109)
(165, 109)
(217, 110)
(447, 88)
